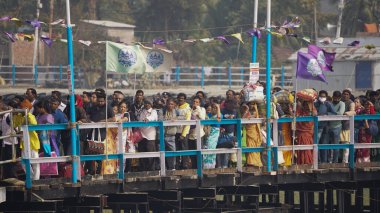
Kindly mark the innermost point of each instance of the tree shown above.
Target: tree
(358, 12)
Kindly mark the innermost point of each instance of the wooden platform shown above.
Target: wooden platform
(303, 179)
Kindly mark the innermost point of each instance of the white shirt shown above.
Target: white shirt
(7, 131)
(148, 133)
(62, 106)
(33, 102)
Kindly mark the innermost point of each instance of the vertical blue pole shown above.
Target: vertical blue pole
(254, 38)
(203, 77)
(254, 48)
(315, 118)
(28, 179)
(196, 71)
(242, 74)
(71, 92)
(219, 73)
(162, 137)
(36, 74)
(239, 132)
(351, 159)
(13, 74)
(282, 76)
(229, 76)
(268, 87)
(199, 164)
(177, 70)
(60, 72)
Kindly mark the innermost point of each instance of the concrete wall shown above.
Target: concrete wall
(342, 77)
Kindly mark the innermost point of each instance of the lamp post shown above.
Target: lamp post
(254, 38)
(268, 87)
(70, 78)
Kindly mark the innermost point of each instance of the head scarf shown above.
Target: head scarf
(78, 101)
(25, 104)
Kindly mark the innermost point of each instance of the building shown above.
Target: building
(119, 31)
(354, 67)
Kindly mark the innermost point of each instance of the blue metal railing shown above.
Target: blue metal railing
(199, 152)
(227, 75)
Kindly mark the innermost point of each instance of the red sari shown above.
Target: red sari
(305, 136)
(363, 155)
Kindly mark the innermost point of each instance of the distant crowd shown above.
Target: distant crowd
(95, 106)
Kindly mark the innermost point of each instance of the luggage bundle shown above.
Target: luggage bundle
(253, 92)
(307, 94)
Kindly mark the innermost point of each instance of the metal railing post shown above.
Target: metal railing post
(229, 76)
(60, 72)
(239, 131)
(275, 144)
(351, 160)
(315, 141)
(219, 72)
(242, 75)
(13, 74)
(282, 76)
(196, 72)
(162, 149)
(203, 77)
(199, 149)
(26, 157)
(121, 148)
(36, 74)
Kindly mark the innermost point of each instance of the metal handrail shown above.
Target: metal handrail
(162, 154)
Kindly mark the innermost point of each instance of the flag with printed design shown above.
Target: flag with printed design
(308, 68)
(157, 60)
(325, 59)
(123, 58)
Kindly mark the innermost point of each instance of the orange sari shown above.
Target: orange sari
(305, 136)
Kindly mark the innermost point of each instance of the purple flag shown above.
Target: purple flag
(10, 36)
(222, 38)
(354, 43)
(158, 41)
(254, 32)
(5, 18)
(325, 59)
(35, 23)
(308, 68)
(46, 40)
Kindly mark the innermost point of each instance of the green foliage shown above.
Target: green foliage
(174, 20)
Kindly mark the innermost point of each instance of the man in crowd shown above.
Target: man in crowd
(323, 107)
(57, 95)
(350, 111)
(336, 126)
(31, 95)
(182, 136)
(99, 113)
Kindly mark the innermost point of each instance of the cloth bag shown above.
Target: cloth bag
(95, 146)
(226, 141)
(48, 169)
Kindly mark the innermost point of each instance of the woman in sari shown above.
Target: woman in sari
(305, 131)
(287, 132)
(47, 138)
(253, 134)
(209, 161)
(365, 136)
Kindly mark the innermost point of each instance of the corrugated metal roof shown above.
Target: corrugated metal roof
(347, 53)
(106, 23)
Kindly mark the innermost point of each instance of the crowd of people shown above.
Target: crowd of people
(97, 107)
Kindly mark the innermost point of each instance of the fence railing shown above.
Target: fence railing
(199, 152)
(56, 76)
